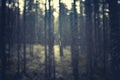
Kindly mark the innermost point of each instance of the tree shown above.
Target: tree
(74, 43)
(51, 58)
(89, 32)
(2, 42)
(60, 28)
(114, 38)
(24, 37)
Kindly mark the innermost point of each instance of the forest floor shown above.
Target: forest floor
(35, 64)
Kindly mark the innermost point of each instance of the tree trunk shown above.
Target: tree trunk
(115, 38)
(75, 43)
(2, 40)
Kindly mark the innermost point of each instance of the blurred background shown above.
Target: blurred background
(59, 39)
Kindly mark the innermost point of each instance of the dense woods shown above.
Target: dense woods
(81, 42)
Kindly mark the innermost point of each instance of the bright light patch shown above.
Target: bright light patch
(118, 1)
(55, 4)
(68, 3)
(21, 6)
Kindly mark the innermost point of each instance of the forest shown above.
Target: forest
(59, 39)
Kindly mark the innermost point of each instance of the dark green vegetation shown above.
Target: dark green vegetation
(37, 45)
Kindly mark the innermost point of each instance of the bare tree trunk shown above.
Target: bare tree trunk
(74, 43)
(115, 38)
(2, 42)
(89, 31)
(51, 45)
(60, 30)
(18, 41)
(45, 44)
(24, 37)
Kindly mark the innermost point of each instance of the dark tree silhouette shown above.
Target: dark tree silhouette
(74, 43)
(51, 59)
(2, 42)
(24, 35)
(114, 38)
